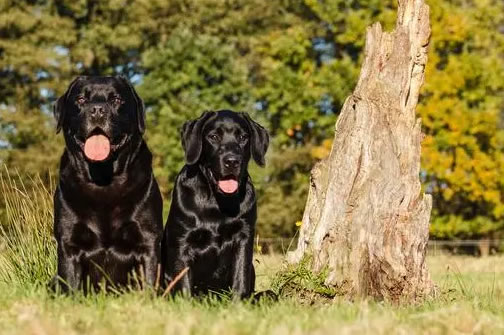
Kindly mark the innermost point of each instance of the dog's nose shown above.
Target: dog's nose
(231, 162)
(97, 110)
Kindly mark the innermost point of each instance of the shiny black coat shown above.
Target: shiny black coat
(209, 231)
(107, 215)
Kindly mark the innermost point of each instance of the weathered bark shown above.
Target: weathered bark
(366, 218)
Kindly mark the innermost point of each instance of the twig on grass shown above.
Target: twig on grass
(175, 281)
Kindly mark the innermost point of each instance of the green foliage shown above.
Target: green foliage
(29, 63)
(283, 190)
(289, 63)
(300, 282)
(448, 226)
(188, 74)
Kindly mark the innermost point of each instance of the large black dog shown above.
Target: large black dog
(107, 206)
(210, 228)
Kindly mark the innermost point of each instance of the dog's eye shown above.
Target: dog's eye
(116, 100)
(213, 137)
(243, 137)
(81, 100)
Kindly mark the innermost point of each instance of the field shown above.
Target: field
(470, 298)
(471, 301)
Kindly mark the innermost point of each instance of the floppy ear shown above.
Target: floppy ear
(192, 137)
(59, 105)
(259, 140)
(140, 107)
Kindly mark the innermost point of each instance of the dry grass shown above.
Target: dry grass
(471, 302)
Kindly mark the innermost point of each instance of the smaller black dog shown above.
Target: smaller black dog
(211, 225)
(107, 206)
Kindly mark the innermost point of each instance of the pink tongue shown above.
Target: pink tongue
(97, 147)
(228, 186)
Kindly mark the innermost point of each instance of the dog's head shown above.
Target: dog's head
(223, 142)
(99, 115)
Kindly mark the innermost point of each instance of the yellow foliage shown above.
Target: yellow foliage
(462, 154)
(323, 150)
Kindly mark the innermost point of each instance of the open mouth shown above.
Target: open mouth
(228, 185)
(97, 147)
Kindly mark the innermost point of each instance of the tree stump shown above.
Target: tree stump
(366, 219)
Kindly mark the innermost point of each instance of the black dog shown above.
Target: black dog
(107, 206)
(210, 228)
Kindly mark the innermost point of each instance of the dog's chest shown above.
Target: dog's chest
(119, 237)
(216, 235)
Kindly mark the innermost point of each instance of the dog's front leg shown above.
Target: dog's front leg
(69, 271)
(152, 266)
(242, 270)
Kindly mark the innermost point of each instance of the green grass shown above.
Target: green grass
(470, 299)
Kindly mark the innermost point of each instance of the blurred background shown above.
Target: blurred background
(288, 63)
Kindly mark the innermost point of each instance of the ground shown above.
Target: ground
(470, 301)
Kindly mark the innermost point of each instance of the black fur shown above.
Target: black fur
(107, 214)
(208, 230)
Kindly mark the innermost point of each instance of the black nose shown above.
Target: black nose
(97, 110)
(231, 162)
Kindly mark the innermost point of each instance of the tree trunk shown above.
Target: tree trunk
(484, 247)
(366, 219)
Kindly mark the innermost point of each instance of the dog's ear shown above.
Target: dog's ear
(140, 107)
(259, 140)
(192, 137)
(59, 105)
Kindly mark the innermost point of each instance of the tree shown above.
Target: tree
(291, 63)
(188, 74)
(30, 68)
(43, 45)
(461, 109)
(282, 189)
(366, 219)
